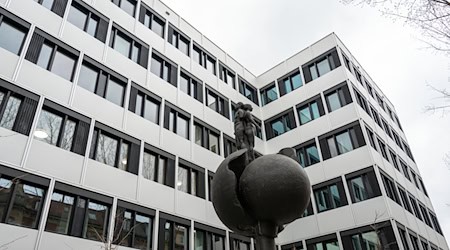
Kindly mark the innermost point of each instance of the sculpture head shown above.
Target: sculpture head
(248, 107)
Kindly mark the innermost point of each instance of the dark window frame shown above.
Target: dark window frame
(225, 73)
(204, 57)
(103, 22)
(263, 92)
(302, 149)
(307, 105)
(245, 86)
(143, 48)
(171, 67)
(58, 7)
(390, 188)
(169, 165)
(356, 138)
(333, 62)
(177, 113)
(153, 17)
(194, 84)
(326, 186)
(370, 183)
(289, 78)
(136, 91)
(287, 119)
(343, 93)
(118, 3)
(207, 130)
(180, 36)
(18, 24)
(199, 172)
(222, 103)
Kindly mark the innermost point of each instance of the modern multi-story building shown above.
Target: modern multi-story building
(114, 116)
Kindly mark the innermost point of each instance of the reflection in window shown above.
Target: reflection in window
(26, 205)
(181, 237)
(154, 167)
(12, 35)
(50, 124)
(338, 98)
(269, 95)
(10, 113)
(115, 92)
(106, 150)
(290, 83)
(97, 215)
(330, 197)
(132, 229)
(308, 155)
(309, 111)
(61, 207)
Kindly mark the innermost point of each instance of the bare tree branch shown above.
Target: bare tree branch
(5, 246)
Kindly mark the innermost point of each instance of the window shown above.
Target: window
(56, 6)
(361, 101)
(191, 85)
(17, 108)
(158, 166)
(217, 102)
(268, 94)
(394, 159)
(329, 195)
(405, 169)
(22, 197)
(414, 177)
(310, 111)
(238, 242)
(258, 129)
(415, 207)
(206, 240)
(133, 226)
(380, 101)
(435, 222)
(114, 148)
(373, 237)
(375, 116)
(389, 111)
(87, 20)
(341, 140)
(327, 242)
(210, 180)
(424, 244)
(12, 32)
(403, 237)
(408, 151)
(176, 121)
(281, 124)
(293, 246)
(358, 75)
(424, 190)
(321, 65)
(369, 89)
(386, 128)
(191, 179)
(371, 137)
(425, 215)
(382, 147)
(248, 91)
(179, 40)
(397, 139)
(173, 232)
(102, 81)
(347, 62)
(229, 145)
(226, 75)
(337, 97)
(78, 213)
(207, 137)
(398, 122)
(289, 83)
(55, 127)
(144, 103)
(405, 199)
(52, 55)
(308, 211)
(129, 6)
(124, 43)
(164, 69)
(414, 242)
(390, 189)
(204, 59)
(307, 153)
(363, 185)
(151, 20)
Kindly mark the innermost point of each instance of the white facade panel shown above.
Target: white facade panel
(7, 64)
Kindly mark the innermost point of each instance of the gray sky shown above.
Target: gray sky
(261, 33)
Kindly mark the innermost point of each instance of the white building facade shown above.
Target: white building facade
(115, 114)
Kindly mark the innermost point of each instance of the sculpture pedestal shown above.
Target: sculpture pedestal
(265, 238)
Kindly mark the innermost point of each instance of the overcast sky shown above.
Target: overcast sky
(261, 33)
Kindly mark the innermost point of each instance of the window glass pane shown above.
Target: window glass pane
(332, 245)
(296, 81)
(344, 143)
(151, 111)
(92, 26)
(315, 110)
(184, 84)
(148, 168)
(199, 240)
(183, 45)
(58, 219)
(333, 101)
(335, 197)
(44, 56)
(128, 6)
(301, 158)
(123, 158)
(183, 175)
(135, 53)
(287, 85)
(114, 92)
(212, 101)
(305, 115)
(27, 205)
(182, 127)
(69, 131)
(156, 66)
(181, 238)
(278, 127)
(322, 199)
(272, 94)
(122, 44)
(313, 72)
(2, 95)
(193, 183)
(323, 67)
(10, 114)
(147, 19)
(158, 27)
(143, 232)
(172, 121)
(218, 243)
(211, 65)
(162, 166)
(168, 238)
(197, 56)
(88, 78)
(198, 135)
(166, 72)
(49, 125)
(106, 150)
(313, 155)
(123, 227)
(47, 4)
(77, 17)
(359, 191)
(332, 147)
(5, 194)
(97, 216)
(11, 37)
(214, 143)
(63, 65)
(139, 101)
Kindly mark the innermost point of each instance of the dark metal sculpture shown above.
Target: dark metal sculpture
(258, 197)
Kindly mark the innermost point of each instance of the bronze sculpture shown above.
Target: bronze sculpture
(257, 197)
